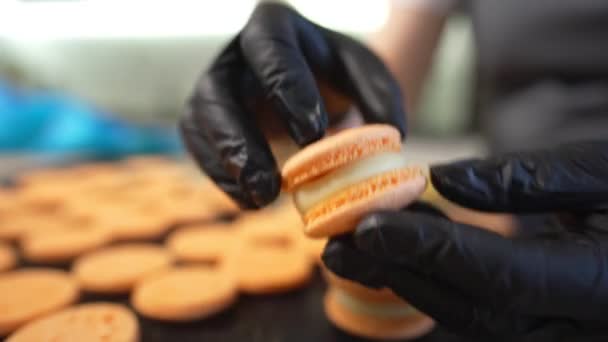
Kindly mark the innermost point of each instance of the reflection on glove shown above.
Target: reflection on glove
(277, 60)
(478, 282)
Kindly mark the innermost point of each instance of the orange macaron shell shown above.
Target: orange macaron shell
(387, 191)
(338, 150)
(397, 328)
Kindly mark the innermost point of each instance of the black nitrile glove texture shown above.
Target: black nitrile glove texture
(476, 282)
(276, 62)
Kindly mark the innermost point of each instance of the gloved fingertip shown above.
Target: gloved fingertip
(262, 186)
(443, 175)
(332, 257)
(313, 130)
(306, 117)
(343, 260)
(462, 182)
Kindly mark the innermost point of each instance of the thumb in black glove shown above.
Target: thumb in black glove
(275, 62)
(478, 282)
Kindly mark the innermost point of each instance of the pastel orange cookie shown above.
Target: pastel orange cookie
(268, 269)
(130, 222)
(19, 221)
(339, 179)
(210, 199)
(62, 245)
(47, 197)
(7, 202)
(204, 243)
(289, 221)
(27, 294)
(185, 293)
(95, 322)
(220, 202)
(268, 226)
(8, 259)
(10, 227)
(186, 202)
(117, 269)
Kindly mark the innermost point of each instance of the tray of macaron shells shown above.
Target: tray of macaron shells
(149, 249)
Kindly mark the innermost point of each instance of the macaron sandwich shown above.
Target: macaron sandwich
(334, 183)
(337, 180)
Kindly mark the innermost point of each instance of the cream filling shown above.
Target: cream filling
(308, 195)
(382, 310)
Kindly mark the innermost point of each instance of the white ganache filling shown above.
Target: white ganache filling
(308, 195)
(381, 310)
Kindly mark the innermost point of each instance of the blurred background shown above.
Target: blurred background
(108, 78)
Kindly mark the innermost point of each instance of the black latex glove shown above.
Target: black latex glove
(478, 282)
(277, 63)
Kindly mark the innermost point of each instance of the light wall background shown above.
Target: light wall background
(139, 59)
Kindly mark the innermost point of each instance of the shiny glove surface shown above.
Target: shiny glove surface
(477, 282)
(278, 63)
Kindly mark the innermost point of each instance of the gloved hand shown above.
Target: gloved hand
(478, 282)
(278, 62)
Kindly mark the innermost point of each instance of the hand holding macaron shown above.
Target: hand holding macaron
(280, 72)
(478, 282)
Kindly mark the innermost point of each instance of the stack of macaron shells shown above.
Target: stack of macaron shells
(372, 313)
(334, 183)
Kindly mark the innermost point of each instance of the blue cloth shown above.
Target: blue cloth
(48, 122)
